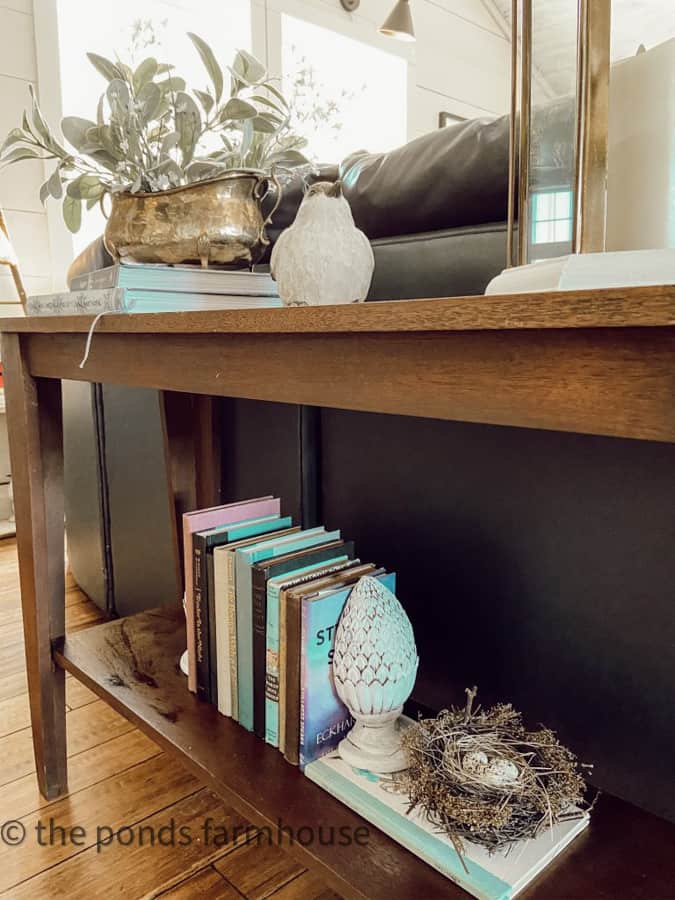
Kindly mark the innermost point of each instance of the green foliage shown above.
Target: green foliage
(152, 133)
(210, 64)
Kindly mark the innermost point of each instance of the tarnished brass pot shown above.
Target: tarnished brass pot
(214, 221)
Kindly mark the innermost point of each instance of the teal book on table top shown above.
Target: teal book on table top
(244, 560)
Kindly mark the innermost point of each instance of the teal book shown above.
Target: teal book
(227, 534)
(244, 560)
(274, 588)
(203, 545)
(500, 875)
(324, 719)
(226, 616)
(262, 572)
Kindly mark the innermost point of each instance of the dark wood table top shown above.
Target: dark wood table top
(652, 306)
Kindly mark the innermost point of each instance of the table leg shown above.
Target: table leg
(34, 421)
(193, 446)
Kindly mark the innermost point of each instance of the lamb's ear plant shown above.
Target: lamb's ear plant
(151, 132)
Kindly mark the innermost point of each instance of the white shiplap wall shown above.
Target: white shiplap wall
(462, 62)
(19, 185)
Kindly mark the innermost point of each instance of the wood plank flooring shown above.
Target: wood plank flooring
(121, 784)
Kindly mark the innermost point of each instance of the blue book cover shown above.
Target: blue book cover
(274, 588)
(244, 559)
(324, 719)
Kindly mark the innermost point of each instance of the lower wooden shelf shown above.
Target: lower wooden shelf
(132, 663)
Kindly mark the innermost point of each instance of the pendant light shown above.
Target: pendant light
(399, 23)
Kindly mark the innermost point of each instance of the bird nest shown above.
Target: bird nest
(480, 776)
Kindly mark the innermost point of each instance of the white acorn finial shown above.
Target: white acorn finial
(374, 668)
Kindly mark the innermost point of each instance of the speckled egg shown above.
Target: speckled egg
(501, 772)
(474, 762)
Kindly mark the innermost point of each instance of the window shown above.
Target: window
(136, 29)
(348, 94)
(551, 217)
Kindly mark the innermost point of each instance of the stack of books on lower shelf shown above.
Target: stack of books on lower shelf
(136, 288)
(263, 598)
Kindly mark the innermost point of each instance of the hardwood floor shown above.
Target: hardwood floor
(133, 821)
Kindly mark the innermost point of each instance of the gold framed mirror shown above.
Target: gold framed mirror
(559, 128)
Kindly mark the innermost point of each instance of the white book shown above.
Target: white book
(490, 876)
(128, 300)
(222, 623)
(585, 271)
(222, 632)
(225, 601)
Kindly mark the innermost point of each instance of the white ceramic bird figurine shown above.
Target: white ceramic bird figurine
(323, 258)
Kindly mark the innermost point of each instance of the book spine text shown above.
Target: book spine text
(259, 649)
(78, 303)
(272, 667)
(201, 617)
(232, 634)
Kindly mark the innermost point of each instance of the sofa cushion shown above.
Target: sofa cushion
(449, 263)
(453, 177)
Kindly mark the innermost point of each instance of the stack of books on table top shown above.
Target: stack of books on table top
(263, 598)
(262, 601)
(136, 288)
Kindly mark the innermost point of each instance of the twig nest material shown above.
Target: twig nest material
(480, 776)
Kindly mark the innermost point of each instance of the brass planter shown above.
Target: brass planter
(215, 221)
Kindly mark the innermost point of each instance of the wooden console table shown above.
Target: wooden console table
(597, 362)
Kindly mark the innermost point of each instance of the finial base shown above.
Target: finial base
(374, 743)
